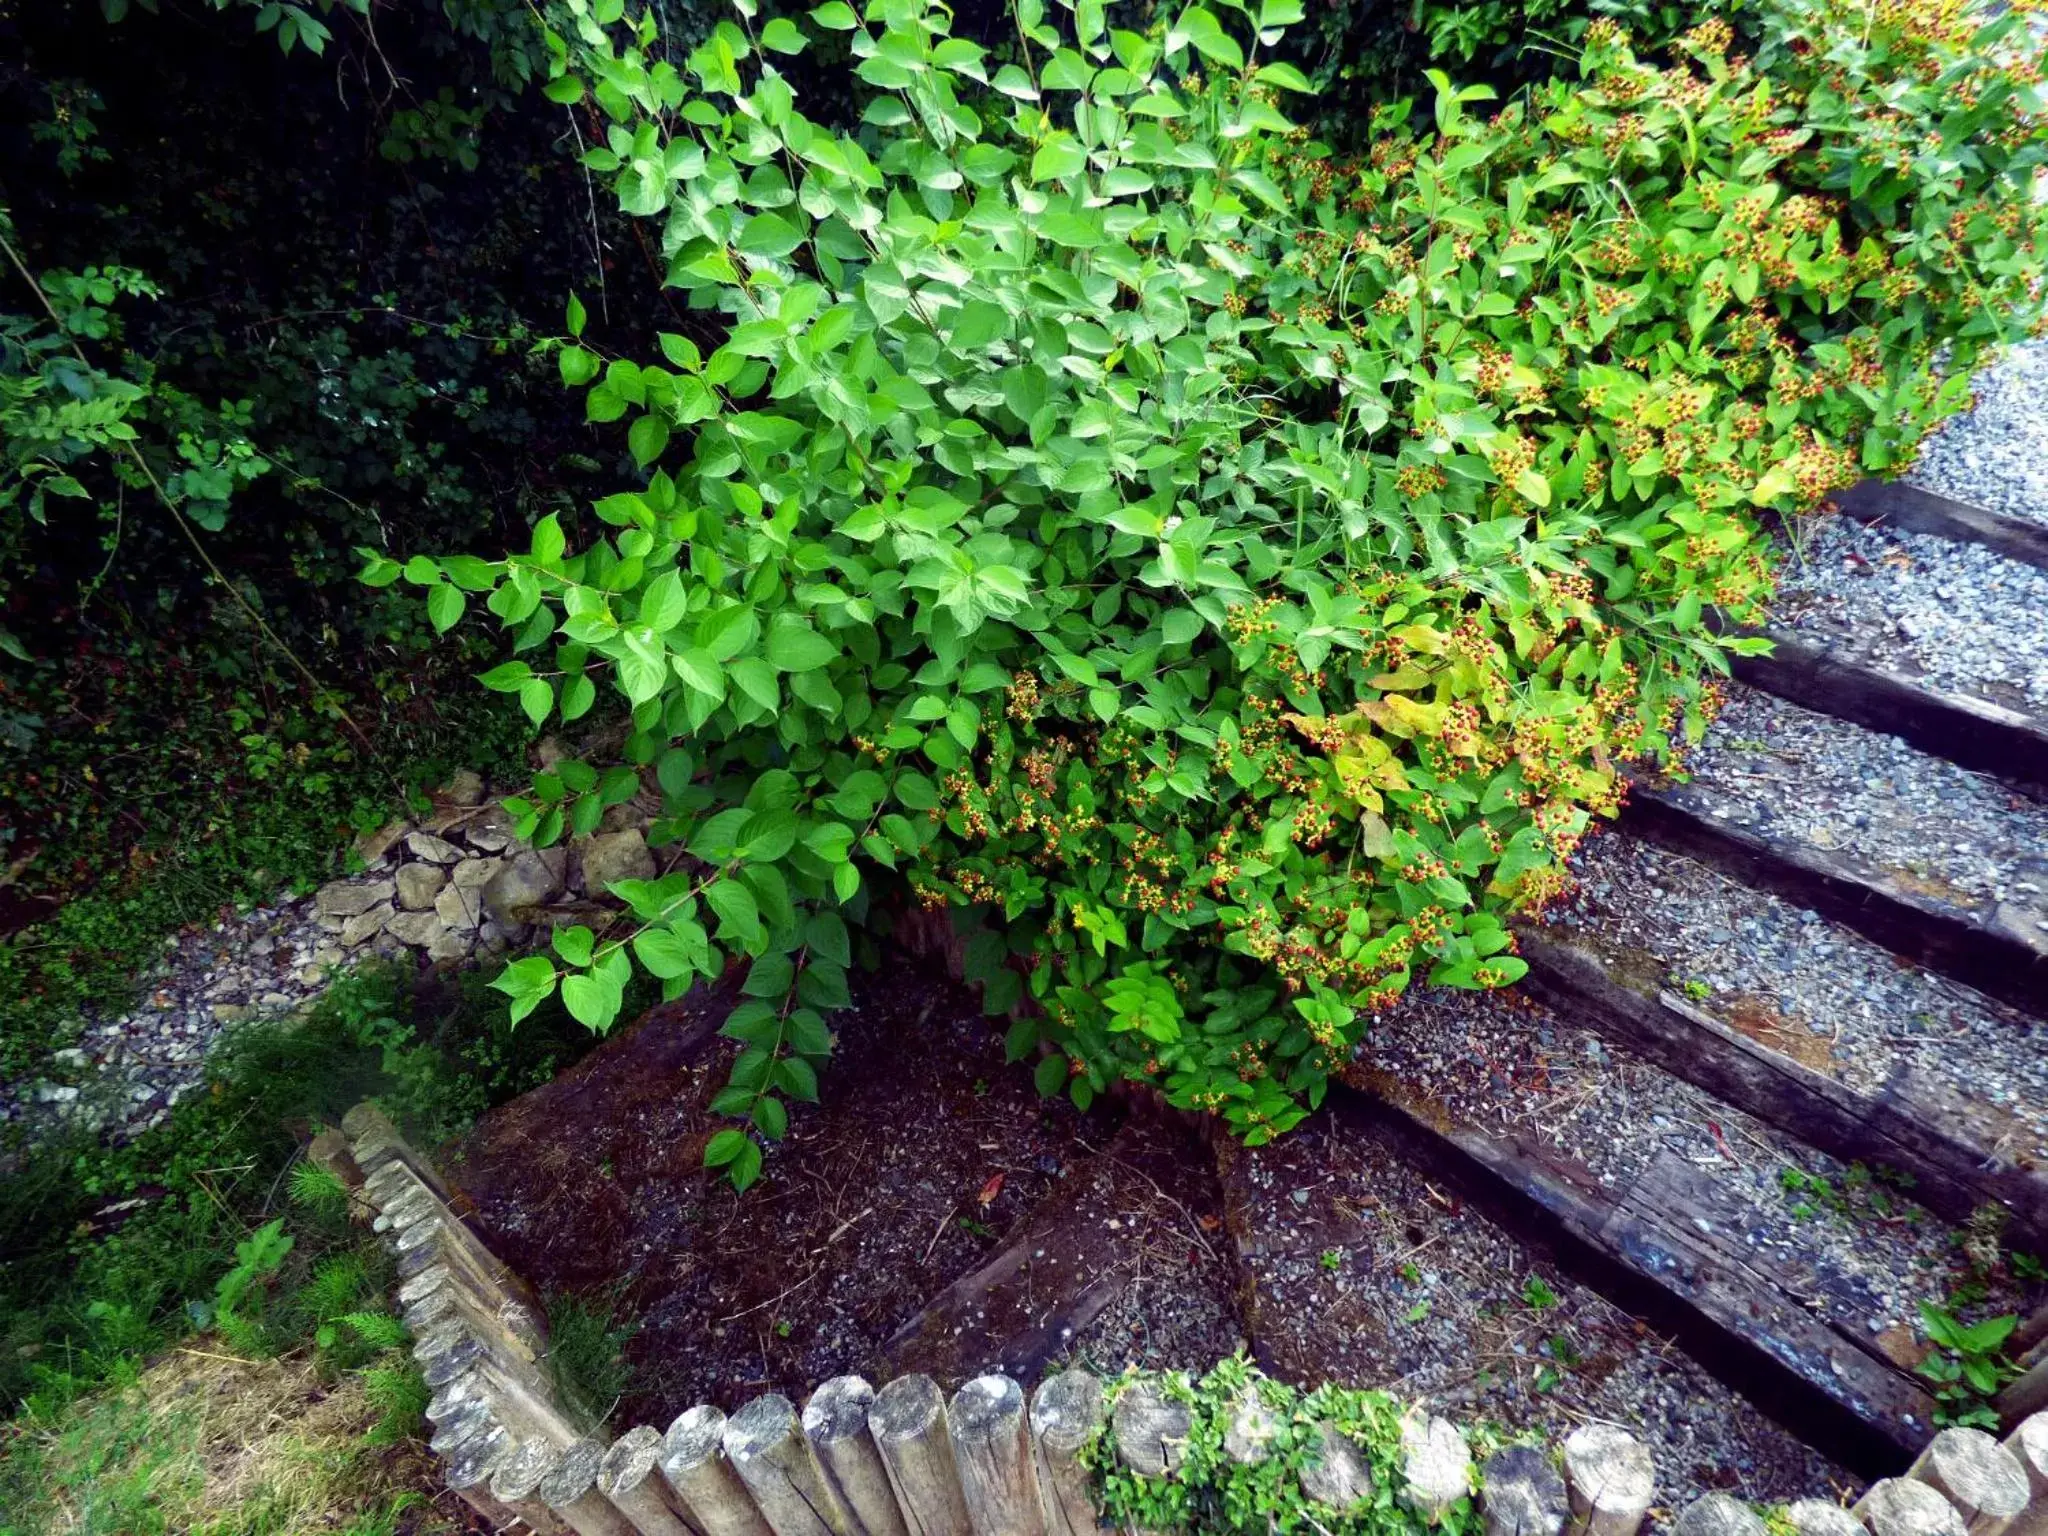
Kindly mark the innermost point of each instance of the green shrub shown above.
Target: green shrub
(1230, 575)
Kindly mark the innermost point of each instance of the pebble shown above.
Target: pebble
(1775, 966)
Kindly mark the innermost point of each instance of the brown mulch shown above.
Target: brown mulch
(928, 1158)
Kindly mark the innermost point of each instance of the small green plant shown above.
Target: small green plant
(1857, 1194)
(1333, 1259)
(586, 1355)
(1967, 1364)
(1537, 1294)
(1215, 1493)
(1697, 990)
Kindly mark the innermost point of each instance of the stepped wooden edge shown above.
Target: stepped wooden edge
(1997, 949)
(1953, 1175)
(1918, 511)
(1666, 1249)
(996, 1460)
(1972, 732)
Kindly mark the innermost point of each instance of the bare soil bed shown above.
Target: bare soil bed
(932, 1213)
(924, 1153)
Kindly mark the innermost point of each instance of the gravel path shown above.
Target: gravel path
(1996, 456)
(1508, 1066)
(1814, 990)
(1956, 615)
(1791, 773)
(127, 1069)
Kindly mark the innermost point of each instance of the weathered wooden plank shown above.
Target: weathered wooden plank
(1997, 949)
(1748, 1322)
(1918, 511)
(1973, 732)
(1954, 1175)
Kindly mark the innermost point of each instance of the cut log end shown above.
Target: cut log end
(1521, 1494)
(1817, 1517)
(838, 1410)
(1066, 1411)
(522, 1470)
(1718, 1515)
(1436, 1466)
(696, 1436)
(629, 1462)
(573, 1475)
(1980, 1477)
(1337, 1475)
(758, 1428)
(1609, 1478)
(1249, 1439)
(1903, 1506)
(906, 1409)
(1151, 1430)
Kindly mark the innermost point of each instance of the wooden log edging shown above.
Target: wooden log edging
(996, 1461)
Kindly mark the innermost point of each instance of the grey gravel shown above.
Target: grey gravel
(1815, 990)
(1367, 1273)
(1954, 615)
(1996, 456)
(1791, 773)
(125, 1069)
(1508, 1066)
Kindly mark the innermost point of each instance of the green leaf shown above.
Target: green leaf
(444, 606)
(723, 1147)
(793, 646)
(576, 315)
(590, 1002)
(700, 671)
(770, 1118)
(646, 438)
(1532, 487)
(746, 1168)
(835, 16)
(739, 917)
(781, 35)
(1060, 155)
(1050, 1075)
(536, 698)
(506, 677)
(769, 235)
